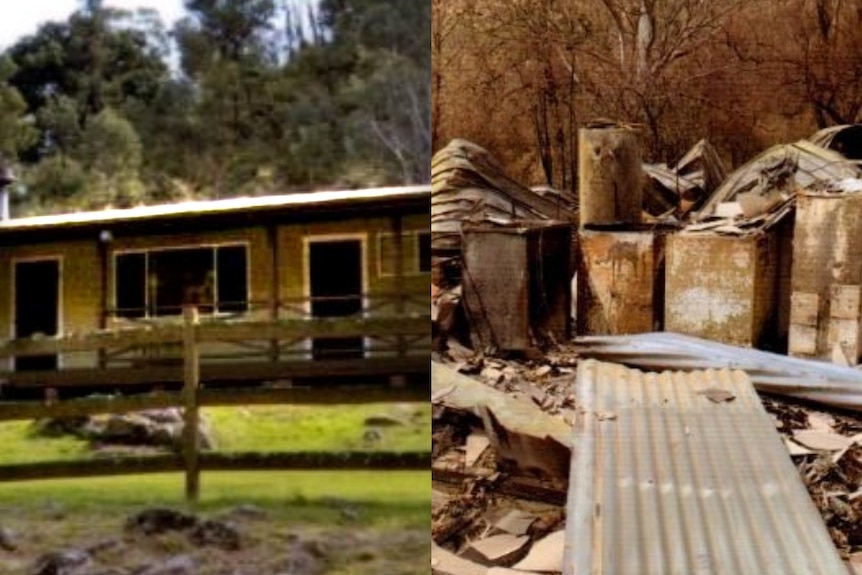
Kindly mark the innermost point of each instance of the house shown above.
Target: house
(318, 254)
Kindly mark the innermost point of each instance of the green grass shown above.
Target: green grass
(374, 522)
(368, 523)
(19, 445)
(383, 498)
(256, 428)
(315, 428)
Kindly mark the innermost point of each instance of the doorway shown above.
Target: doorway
(37, 307)
(335, 286)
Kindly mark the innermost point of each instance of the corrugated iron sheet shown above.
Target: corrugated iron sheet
(467, 183)
(814, 165)
(818, 381)
(665, 481)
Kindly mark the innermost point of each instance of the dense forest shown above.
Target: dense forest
(520, 76)
(111, 108)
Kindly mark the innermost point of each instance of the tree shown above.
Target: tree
(86, 63)
(822, 59)
(16, 130)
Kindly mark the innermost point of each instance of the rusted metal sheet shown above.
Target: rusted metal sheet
(845, 139)
(827, 252)
(794, 377)
(807, 163)
(680, 473)
(467, 183)
(723, 288)
(684, 187)
(517, 283)
(610, 174)
(620, 281)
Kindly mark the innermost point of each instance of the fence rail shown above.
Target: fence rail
(189, 335)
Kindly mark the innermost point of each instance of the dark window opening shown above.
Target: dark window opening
(161, 282)
(336, 290)
(232, 279)
(131, 285)
(182, 277)
(37, 289)
(424, 252)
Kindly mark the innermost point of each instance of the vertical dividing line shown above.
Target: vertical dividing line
(397, 231)
(191, 382)
(103, 296)
(275, 282)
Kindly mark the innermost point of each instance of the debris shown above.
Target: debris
(516, 522)
(822, 441)
(542, 371)
(70, 561)
(477, 443)
(520, 432)
(717, 395)
(546, 554)
(503, 549)
(438, 500)
(795, 449)
(492, 375)
(445, 562)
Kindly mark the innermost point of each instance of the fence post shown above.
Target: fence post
(191, 382)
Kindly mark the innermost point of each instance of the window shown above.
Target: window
(161, 282)
(424, 252)
(416, 253)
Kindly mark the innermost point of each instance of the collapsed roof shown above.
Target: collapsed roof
(467, 183)
(772, 177)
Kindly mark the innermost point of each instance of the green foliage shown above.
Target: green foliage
(16, 131)
(269, 96)
(110, 145)
(52, 182)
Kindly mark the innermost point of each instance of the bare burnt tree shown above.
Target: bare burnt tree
(540, 40)
(823, 57)
(642, 63)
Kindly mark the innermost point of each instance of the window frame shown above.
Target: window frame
(212, 246)
(415, 267)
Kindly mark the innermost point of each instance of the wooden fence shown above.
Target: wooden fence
(191, 334)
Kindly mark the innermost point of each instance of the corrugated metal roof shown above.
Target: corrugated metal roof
(467, 183)
(813, 165)
(665, 481)
(806, 379)
(298, 201)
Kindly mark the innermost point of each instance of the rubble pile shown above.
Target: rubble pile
(709, 268)
(499, 467)
(490, 512)
(826, 447)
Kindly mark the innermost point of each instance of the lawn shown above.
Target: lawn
(345, 523)
(261, 428)
(357, 523)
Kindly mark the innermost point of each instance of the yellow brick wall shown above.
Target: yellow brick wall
(80, 287)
